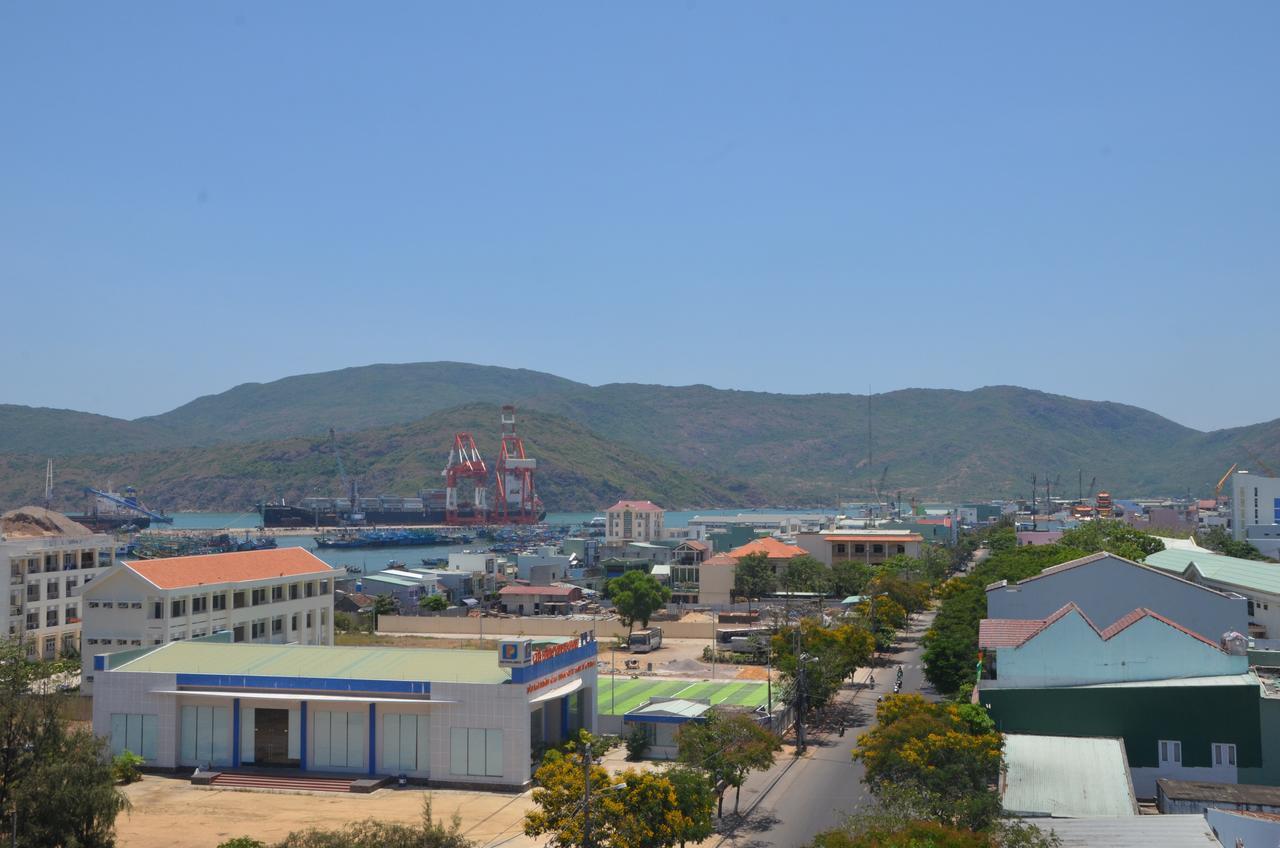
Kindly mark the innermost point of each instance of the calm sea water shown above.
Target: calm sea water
(376, 559)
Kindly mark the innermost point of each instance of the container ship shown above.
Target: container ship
(466, 473)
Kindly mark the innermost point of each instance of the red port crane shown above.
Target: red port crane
(517, 503)
(466, 464)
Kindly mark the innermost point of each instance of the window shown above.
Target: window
(33, 621)
(259, 597)
(199, 603)
(259, 629)
(293, 591)
(404, 744)
(277, 624)
(339, 739)
(51, 617)
(475, 751)
(293, 622)
(157, 609)
(237, 600)
(311, 590)
(324, 587)
(51, 590)
(877, 549)
(1224, 754)
(309, 614)
(859, 548)
(178, 608)
(73, 614)
(134, 732)
(277, 593)
(219, 602)
(1170, 753)
(206, 735)
(902, 549)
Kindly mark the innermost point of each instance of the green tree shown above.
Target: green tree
(56, 783)
(697, 799)
(433, 603)
(849, 577)
(754, 578)
(654, 814)
(1218, 539)
(806, 574)
(1114, 536)
(949, 755)
(728, 746)
(833, 653)
(637, 596)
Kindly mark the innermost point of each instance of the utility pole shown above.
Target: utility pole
(800, 694)
(586, 796)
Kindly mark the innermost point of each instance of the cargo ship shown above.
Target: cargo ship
(427, 508)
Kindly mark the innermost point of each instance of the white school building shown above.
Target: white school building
(459, 717)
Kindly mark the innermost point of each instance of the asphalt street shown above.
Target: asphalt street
(800, 797)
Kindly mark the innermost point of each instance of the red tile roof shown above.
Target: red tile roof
(1006, 632)
(550, 591)
(771, 547)
(695, 544)
(720, 559)
(236, 567)
(638, 506)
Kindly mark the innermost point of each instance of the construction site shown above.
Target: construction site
(473, 495)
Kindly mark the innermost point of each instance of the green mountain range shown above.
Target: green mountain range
(682, 446)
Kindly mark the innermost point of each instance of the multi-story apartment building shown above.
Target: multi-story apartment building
(633, 521)
(50, 560)
(276, 596)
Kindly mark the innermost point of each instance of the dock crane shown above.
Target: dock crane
(1217, 490)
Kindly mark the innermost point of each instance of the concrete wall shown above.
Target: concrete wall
(1233, 829)
(1071, 653)
(1109, 588)
(536, 626)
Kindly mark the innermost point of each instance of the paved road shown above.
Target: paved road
(798, 798)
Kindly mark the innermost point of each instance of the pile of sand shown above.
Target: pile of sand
(32, 522)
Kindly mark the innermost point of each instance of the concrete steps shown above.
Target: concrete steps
(294, 783)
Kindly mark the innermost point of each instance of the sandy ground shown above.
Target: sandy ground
(169, 812)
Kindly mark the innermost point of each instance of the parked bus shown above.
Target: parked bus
(644, 641)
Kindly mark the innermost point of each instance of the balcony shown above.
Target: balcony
(17, 579)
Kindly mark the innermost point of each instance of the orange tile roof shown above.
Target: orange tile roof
(213, 569)
(877, 537)
(771, 547)
(720, 559)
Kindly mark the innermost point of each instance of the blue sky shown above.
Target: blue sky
(1080, 198)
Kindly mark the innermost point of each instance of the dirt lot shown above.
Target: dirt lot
(170, 812)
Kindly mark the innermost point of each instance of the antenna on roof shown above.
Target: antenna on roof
(48, 483)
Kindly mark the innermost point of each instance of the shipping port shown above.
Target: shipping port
(463, 502)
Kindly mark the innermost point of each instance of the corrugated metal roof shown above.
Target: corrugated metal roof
(1247, 679)
(1233, 571)
(428, 664)
(1177, 831)
(1231, 793)
(678, 707)
(1066, 776)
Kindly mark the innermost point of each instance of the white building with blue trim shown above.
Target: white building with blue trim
(461, 717)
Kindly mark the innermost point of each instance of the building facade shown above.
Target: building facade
(1107, 587)
(47, 577)
(1258, 582)
(1255, 502)
(274, 596)
(463, 718)
(633, 521)
(872, 546)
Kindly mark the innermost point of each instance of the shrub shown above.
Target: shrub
(126, 767)
(637, 745)
(242, 842)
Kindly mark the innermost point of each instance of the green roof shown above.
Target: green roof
(393, 579)
(342, 663)
(1243, 573)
